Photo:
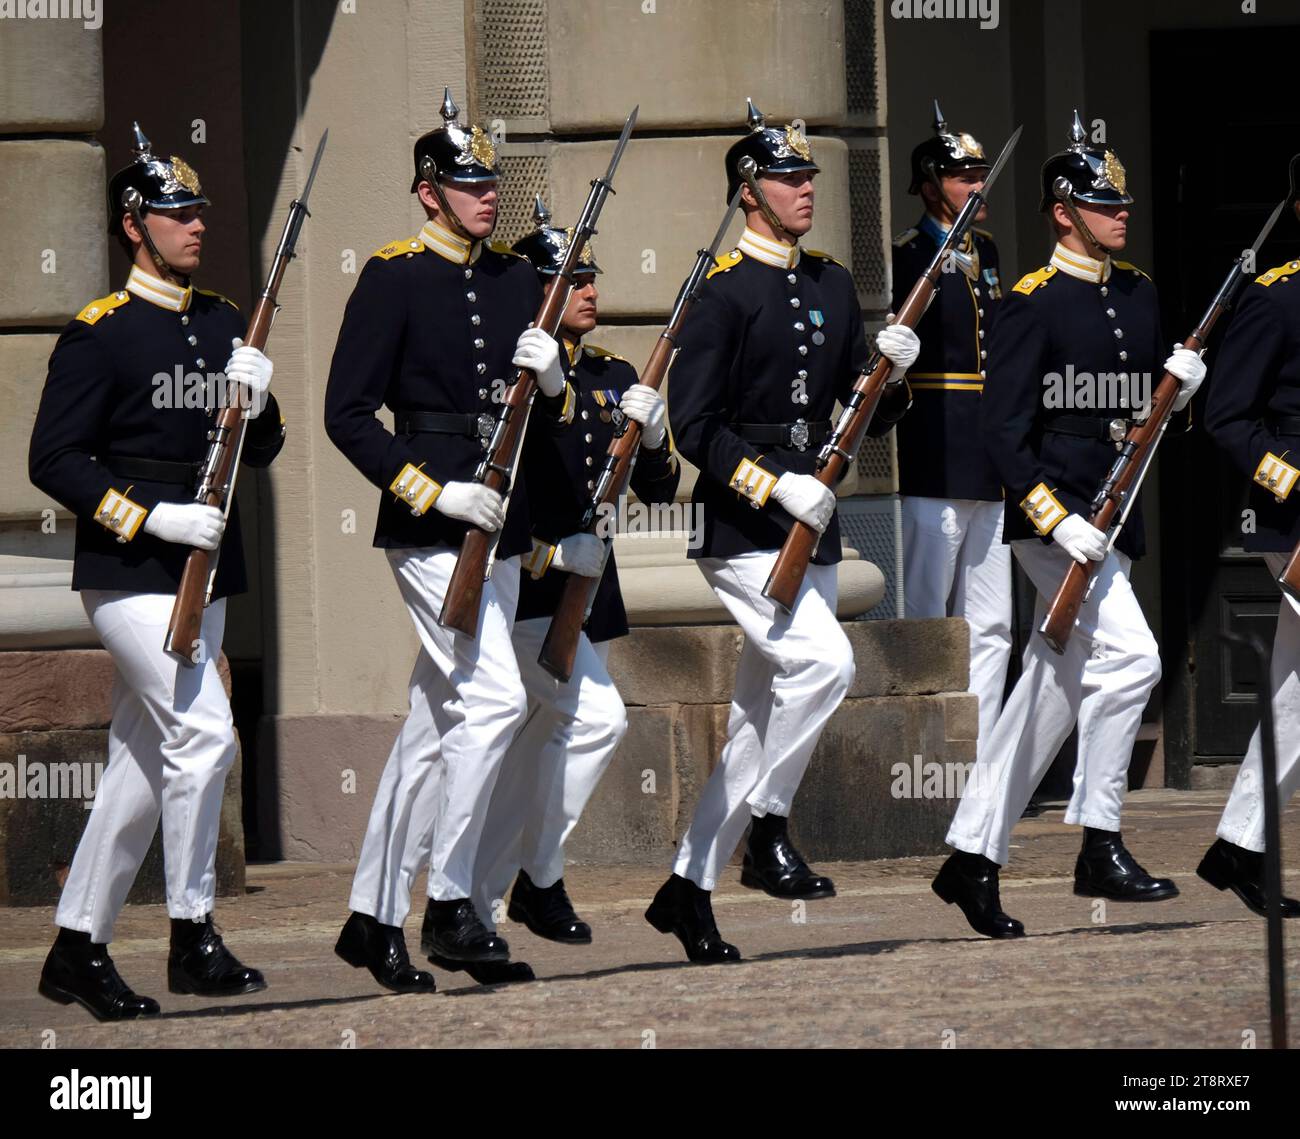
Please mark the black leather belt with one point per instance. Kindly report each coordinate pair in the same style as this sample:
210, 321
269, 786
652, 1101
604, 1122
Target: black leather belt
1108, 430
441, 423
154, 470
795, 436
1284, 424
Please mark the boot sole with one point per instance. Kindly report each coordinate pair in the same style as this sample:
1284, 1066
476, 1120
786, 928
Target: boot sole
754, 883
1223, 882
537, 931
948, 896
463, 967
430, 952
667, 926
402, 990
64, 997
187, 988
1083, 891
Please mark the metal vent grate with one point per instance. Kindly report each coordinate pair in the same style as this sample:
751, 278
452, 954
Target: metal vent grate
874, 527
860, 56
522, 176
510, 47
866, 231
876, 467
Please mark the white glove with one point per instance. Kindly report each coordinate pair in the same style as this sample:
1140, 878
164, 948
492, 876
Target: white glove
1080, 539
252, 368
901, 345
583, 554
806, 499
645, 406
540, 354
474, 503
1190, 370
187, 524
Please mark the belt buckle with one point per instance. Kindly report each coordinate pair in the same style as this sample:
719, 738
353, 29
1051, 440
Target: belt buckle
486, 425
799, 435
1117, 430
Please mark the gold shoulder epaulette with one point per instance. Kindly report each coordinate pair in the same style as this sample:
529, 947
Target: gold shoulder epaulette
96, 309
724, 262
825, 257
905, 237
409, 246
1131, 268
1281, 273
1031, 281
210, 293
504, 247
602, 353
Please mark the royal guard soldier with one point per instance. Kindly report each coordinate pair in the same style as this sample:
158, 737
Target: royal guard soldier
775, 339
1052, 439
123, 454
434, 330
573, 728
1253, 412
955, 563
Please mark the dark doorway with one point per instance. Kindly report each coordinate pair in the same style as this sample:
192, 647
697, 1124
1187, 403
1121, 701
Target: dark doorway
1219, 155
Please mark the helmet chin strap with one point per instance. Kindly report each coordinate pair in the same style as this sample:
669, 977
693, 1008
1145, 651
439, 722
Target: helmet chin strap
933, 175
132, 202
1062, 189
429, 172
748, 171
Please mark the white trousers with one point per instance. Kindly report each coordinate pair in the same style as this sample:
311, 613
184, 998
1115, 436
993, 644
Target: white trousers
1102, 680
1243, 817
956, 565
171, 742
794, 670
467, 702
551, 769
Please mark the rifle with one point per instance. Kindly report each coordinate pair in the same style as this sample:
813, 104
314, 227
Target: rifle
561, 644
465, 589
226, 444
1110, 507
840, 449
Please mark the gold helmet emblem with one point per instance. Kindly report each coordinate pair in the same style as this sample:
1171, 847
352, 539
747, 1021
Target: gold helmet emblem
795, 140
1112, 170
185, 174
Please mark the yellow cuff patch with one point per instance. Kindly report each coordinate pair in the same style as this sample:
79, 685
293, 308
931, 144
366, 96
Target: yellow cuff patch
1043, 509
118, 513
416, 489
752, 481
539, 561
1276, 475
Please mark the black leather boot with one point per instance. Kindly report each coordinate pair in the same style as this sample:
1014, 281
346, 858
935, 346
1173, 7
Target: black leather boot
452, 930
682, 908
1227, 866
200, 963
547, 911
77, 969
1105, 869
971, 882
772, 864
488, 972
382, 950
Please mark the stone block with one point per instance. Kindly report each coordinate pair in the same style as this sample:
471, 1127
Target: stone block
51, 75
24, 359
47, 782
56, 262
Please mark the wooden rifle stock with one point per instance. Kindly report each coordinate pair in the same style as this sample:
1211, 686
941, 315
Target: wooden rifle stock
1289, 578
464, 595
560, 648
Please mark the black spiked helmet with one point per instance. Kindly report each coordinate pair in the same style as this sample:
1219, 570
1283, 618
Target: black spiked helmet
775, 150
548, 245
948, 151
455, 153
162, 183
1090, 174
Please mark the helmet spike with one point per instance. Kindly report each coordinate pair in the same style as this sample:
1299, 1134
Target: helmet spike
541, 215
940, 123
450, 112
753, 116
142, 145
1078, 136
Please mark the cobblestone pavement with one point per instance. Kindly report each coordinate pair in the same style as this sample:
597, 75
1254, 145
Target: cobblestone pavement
883, 964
